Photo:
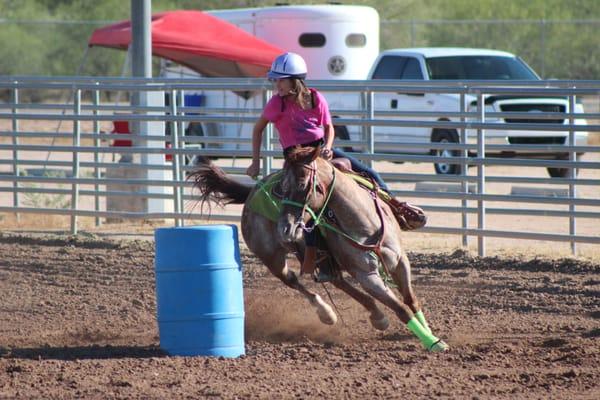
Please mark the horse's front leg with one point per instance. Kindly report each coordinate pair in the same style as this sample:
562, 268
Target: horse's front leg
278, 267
261, 237
378, 319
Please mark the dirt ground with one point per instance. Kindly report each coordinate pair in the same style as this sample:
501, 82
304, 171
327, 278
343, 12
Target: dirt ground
77, 320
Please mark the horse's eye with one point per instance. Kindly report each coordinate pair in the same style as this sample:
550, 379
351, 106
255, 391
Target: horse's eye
303, 184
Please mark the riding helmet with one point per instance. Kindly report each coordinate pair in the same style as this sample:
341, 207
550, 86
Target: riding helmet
288, 65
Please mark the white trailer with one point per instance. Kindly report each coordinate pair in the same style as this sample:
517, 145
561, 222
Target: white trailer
337, 42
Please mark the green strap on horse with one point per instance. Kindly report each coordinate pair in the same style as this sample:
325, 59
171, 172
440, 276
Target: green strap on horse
263, 201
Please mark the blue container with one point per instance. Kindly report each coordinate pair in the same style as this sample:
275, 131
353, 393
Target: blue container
199, 295
194, 100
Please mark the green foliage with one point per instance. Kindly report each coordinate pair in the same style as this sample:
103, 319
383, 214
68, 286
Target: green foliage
556, 37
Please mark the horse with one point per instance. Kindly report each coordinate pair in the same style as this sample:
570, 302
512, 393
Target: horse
366, 236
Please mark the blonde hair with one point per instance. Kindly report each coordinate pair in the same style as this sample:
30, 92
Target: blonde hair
301, 94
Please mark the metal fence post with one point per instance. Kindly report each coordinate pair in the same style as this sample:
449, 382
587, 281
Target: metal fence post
75, 167
15, 142
96, 155
370, 131
481, 175
182, 160
464, 172
572, 175
267, 143
176, 159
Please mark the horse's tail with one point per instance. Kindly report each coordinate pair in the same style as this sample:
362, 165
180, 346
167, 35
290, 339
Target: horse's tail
214, 185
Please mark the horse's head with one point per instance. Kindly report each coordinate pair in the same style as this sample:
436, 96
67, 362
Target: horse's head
302, 190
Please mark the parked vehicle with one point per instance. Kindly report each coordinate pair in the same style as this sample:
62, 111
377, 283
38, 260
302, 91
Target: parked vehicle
466, 64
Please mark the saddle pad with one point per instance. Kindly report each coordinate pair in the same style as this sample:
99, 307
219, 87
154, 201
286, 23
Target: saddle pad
267, 204
362, 181
263, 201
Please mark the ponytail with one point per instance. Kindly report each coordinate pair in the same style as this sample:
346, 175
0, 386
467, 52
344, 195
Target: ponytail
301, 94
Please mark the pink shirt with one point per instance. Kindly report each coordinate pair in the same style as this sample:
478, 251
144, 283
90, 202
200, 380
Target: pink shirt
295, 125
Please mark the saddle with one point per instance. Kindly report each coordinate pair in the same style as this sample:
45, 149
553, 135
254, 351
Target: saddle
409, 217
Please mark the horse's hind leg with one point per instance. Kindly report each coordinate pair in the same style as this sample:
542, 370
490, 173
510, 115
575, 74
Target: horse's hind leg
378, 319
278, 267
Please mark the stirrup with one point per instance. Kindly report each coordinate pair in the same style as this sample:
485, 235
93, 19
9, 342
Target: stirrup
322, 276
409, 217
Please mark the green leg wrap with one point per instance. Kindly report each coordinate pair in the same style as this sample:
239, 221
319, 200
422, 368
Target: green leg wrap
426, 338
421, 317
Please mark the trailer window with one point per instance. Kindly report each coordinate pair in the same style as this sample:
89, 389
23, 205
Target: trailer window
356, 40
312, 40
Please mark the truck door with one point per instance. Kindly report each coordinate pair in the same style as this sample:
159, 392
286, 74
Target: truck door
387, 138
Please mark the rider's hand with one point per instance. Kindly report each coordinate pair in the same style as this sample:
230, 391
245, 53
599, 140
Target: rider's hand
327, 154
253, 170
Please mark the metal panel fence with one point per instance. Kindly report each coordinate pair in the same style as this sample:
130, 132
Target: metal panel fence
74, 172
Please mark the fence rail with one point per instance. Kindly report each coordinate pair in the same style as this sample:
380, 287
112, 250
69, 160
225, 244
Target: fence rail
91, 186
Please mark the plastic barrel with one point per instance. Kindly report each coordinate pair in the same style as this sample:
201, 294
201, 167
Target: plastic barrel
199, 295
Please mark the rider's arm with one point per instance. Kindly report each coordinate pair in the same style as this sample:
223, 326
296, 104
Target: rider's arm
257, 134
329, 135
328, 139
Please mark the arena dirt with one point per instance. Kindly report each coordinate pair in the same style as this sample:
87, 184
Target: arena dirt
77, 320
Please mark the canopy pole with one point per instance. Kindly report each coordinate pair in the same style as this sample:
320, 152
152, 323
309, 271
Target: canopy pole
141, 67
141, 45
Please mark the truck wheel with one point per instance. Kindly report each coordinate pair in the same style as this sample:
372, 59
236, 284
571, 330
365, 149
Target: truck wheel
445, 136
561, 172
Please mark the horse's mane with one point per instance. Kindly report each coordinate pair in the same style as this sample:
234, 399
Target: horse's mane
302, 154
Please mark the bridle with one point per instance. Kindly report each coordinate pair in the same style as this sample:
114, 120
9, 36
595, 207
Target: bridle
314, 183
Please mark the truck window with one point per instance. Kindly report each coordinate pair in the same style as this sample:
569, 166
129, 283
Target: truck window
389, 67
479, 67
312, 40
412, 69
356, 40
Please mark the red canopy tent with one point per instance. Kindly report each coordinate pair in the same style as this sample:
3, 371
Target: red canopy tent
199, 41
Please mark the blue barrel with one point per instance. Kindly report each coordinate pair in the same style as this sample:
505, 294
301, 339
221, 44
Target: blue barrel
199, 296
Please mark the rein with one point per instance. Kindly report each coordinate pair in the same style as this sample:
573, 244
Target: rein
375, 248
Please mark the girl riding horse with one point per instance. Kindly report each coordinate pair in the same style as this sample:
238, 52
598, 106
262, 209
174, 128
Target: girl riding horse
302, 118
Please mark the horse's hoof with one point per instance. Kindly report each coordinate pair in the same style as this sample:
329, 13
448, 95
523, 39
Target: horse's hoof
439, 346
324, 311
380, 324
327, 317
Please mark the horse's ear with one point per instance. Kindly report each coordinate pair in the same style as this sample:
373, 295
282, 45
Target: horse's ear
303, 154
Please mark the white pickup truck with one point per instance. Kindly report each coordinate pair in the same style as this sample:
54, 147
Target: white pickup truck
465, 64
